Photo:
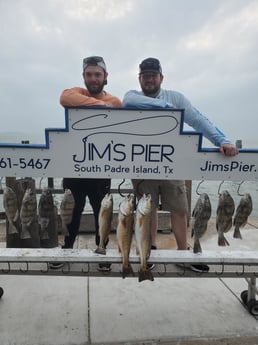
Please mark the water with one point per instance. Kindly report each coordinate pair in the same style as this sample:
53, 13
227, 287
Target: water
41, 183
234, 187
210, 187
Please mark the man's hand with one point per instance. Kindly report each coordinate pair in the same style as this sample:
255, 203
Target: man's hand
228, 150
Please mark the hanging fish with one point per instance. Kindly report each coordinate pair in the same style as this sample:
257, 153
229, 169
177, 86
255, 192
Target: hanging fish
10, 204
143, 235
66, 210
28, 212
243, 211
225, 211
45, 212
105, 219
124, 232
201, 214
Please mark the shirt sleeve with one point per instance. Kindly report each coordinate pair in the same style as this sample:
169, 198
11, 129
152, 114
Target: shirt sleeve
76, 97
202, 124
135, 99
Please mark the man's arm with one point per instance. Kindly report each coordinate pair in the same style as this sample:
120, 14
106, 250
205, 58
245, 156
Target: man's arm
203, 125
135, 99
192, 116
77, 97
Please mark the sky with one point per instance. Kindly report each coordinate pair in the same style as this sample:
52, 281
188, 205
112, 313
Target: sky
207, 48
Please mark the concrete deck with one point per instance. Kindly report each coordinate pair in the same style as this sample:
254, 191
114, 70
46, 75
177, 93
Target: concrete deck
51, 310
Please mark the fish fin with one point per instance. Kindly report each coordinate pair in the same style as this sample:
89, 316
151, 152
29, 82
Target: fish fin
16, 217
145, 275
222, 241
127, 271
12, 228
197, 246
101, 250
192, 233
237, 233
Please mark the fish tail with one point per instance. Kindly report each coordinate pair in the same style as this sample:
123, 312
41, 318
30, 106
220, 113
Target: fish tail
127, 271
25, 234
145, 275
222, 241
237, 233
103, 241
101, 250
65, 230
197, 246
44, 234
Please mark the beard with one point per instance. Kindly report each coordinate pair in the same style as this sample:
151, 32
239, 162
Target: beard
95, 89
150, 90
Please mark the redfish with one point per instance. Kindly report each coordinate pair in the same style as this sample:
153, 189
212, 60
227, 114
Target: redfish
143, 235
105, 219
124, 232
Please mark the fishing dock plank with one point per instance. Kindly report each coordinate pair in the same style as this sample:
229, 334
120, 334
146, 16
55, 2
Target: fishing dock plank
84, 262
112, 255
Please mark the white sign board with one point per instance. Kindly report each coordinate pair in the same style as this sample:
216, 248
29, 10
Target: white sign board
123, 143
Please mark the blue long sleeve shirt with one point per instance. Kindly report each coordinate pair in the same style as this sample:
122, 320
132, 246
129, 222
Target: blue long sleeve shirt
176, 100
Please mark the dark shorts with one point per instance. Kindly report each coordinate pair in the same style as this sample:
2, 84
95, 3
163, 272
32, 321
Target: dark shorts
88, 185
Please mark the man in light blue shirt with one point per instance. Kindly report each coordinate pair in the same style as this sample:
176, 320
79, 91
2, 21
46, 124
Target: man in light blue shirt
171, 192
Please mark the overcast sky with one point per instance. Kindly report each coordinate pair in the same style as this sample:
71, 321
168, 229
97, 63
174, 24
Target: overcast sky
208, 50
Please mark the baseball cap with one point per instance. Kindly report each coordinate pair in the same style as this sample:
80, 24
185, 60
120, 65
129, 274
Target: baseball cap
150, 65
94, 61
